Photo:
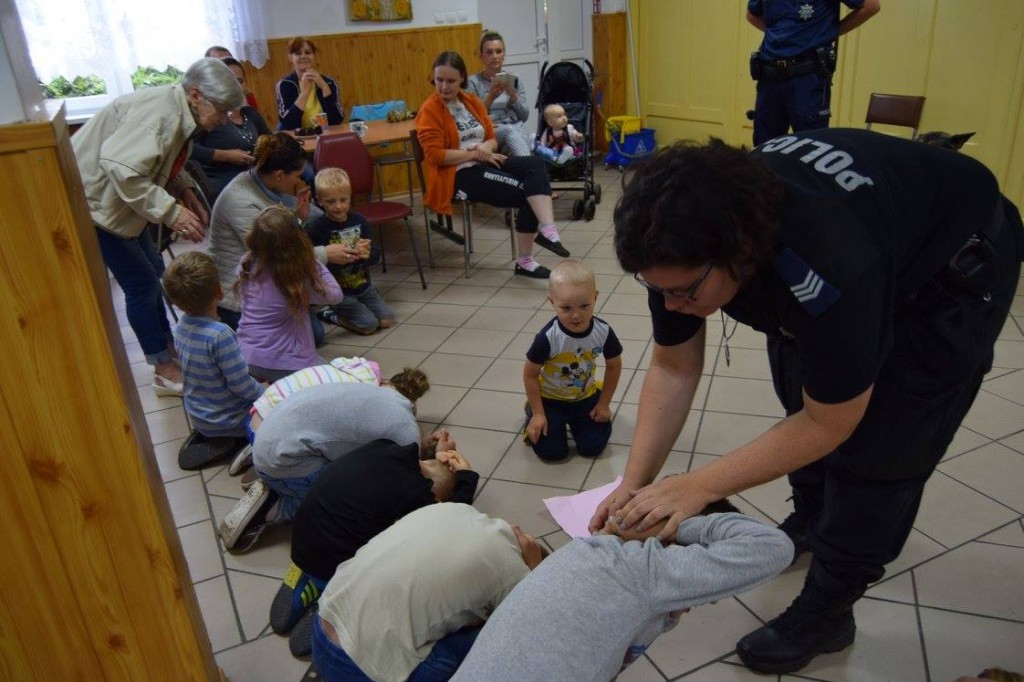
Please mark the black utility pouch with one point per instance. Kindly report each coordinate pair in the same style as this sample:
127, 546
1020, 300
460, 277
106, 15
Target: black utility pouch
756, 66
973, 267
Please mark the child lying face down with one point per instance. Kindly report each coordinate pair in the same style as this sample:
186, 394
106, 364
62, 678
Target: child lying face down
597, 603
409, 603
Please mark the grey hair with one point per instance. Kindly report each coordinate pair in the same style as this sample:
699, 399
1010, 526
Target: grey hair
216, 83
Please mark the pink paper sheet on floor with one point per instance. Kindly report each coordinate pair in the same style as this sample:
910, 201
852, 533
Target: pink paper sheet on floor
573, 512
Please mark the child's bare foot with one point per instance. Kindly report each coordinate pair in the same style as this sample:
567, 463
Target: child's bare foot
384, 324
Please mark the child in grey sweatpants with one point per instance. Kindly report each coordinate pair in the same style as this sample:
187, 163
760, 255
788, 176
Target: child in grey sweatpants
597, 603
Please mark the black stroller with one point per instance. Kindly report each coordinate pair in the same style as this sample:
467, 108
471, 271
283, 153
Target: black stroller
567, 84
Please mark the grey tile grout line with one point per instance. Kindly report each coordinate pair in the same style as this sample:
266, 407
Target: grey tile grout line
920, 627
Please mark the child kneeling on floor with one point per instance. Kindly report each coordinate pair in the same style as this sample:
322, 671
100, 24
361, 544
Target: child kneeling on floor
561, 368
362, 310
218, 388
597, 603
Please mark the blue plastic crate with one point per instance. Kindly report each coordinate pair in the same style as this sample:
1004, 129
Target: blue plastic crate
634, 146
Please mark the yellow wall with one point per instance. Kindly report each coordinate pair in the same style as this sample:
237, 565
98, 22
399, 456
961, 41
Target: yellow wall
965, 56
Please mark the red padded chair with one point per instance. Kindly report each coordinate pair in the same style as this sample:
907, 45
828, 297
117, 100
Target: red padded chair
347, 152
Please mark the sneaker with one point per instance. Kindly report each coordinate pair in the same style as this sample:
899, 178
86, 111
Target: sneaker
242, 460
539, 272
300, 641
554, 247
165, 388
526, 424
199, 451
297, 593
248, 518
387, 323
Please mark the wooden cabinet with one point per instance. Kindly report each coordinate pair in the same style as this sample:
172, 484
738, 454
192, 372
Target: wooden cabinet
611, 68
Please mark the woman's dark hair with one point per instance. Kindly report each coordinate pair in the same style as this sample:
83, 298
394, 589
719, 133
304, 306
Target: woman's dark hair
454, 60
296, 43
488, 36
231, 61
278, 152
691, 204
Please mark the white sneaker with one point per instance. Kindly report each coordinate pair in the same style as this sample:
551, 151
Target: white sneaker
242, 460
246, 512
164, 387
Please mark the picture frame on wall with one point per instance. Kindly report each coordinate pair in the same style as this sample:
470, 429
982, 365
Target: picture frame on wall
380, 10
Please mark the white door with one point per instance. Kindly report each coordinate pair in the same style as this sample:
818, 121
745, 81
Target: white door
536, 31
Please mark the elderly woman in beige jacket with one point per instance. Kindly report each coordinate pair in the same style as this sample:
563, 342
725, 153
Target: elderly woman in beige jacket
130, 157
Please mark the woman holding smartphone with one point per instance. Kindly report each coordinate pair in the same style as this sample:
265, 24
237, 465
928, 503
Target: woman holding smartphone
503, 96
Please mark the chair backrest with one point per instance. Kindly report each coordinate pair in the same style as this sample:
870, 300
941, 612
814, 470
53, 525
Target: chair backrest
417, 152
897, 110
347, 152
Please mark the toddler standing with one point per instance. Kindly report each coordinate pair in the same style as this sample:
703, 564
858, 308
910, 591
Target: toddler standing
561, 368
279, 278
362, 310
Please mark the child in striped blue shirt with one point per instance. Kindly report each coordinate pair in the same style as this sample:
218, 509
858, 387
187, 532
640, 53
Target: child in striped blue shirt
218, 388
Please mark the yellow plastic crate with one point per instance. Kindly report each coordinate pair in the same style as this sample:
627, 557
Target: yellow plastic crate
622, 126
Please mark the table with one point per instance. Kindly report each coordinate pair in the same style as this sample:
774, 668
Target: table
377, 132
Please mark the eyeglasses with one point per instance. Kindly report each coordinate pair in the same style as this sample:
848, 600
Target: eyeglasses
689, 292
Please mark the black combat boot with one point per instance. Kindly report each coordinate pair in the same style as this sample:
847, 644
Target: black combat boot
819, 621
795, 526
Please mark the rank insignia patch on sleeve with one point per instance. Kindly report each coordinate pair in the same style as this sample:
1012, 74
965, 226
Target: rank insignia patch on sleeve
808, 287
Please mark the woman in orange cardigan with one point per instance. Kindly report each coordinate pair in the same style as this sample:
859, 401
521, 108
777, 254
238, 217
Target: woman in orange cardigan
459, 153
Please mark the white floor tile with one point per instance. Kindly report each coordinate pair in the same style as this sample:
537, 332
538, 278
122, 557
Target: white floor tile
960, 644
995, 470
978, 578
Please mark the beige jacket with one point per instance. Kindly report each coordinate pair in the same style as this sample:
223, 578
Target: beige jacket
125, 155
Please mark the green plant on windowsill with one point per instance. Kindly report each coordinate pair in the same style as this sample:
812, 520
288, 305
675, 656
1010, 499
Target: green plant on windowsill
82, 86
147, 77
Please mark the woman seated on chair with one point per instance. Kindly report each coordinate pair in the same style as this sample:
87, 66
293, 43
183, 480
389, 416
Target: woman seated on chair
227, 150
505, 99
306, 92
459, 155
274, 179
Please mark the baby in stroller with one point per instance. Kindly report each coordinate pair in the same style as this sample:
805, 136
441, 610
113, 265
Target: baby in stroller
559, 140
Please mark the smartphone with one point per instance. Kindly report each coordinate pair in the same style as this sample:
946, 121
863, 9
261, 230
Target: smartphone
502, 78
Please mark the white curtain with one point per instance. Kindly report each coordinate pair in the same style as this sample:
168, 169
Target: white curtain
112, 38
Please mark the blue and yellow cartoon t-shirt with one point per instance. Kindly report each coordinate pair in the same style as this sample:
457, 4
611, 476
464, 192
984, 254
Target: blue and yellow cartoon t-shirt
569, 361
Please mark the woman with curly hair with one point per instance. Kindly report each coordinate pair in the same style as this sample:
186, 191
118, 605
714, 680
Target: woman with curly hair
278, 279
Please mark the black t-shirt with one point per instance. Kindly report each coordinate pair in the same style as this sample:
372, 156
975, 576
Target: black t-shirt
867, 220
356, 497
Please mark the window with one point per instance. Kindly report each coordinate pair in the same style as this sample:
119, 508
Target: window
99, 44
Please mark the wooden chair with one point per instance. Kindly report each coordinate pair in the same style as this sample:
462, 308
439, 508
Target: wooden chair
897, 110
379, 112
347, 152
442, 223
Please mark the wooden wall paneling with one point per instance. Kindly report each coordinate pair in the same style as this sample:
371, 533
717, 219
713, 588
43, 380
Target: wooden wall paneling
370, 67
88, 491
611, 70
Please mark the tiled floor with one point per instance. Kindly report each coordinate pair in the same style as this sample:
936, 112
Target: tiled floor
952, 604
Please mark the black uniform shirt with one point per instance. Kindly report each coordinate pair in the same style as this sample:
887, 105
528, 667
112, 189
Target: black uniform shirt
867, 220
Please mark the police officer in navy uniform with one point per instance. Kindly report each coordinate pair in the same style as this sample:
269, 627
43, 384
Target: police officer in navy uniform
794, 66
881, 271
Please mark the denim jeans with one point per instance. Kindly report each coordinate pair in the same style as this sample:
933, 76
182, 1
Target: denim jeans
292, 491
591, 437
334, 665
137, 267
364, 310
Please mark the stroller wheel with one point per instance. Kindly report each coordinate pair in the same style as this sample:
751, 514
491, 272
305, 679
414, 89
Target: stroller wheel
577, 209
597, 193
589, 208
